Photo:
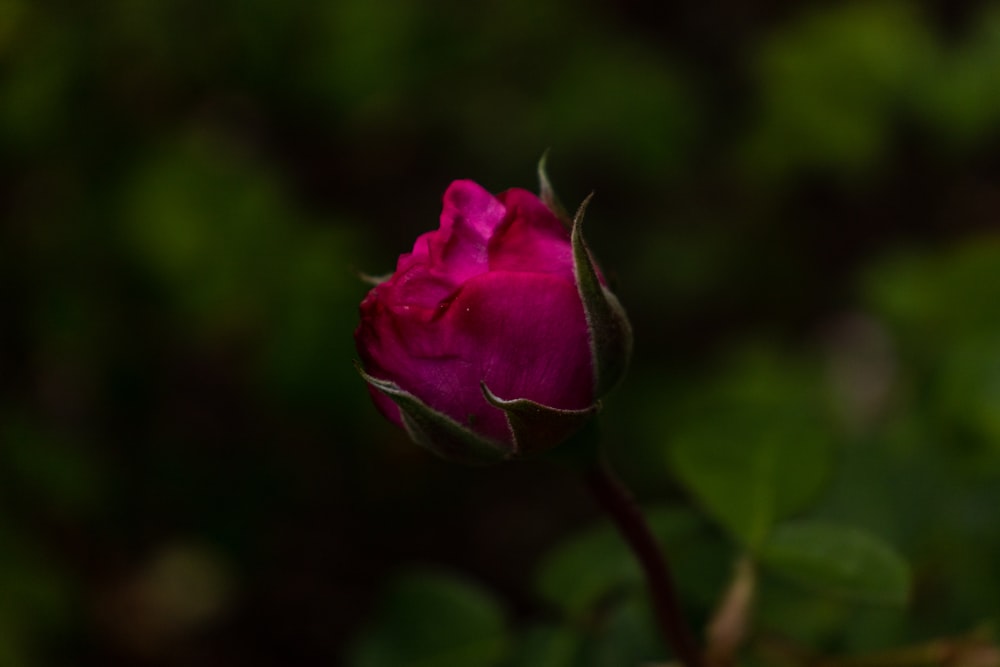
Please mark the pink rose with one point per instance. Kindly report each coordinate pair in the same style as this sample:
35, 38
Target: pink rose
483, 343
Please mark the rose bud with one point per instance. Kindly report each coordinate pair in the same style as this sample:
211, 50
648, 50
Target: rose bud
496, 336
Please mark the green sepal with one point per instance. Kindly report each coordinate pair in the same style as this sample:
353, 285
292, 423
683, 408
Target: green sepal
438, 432
548, 194
374, 281
610, 330
538, 427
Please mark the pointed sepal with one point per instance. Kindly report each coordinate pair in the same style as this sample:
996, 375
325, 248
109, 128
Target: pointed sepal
438, 432
548, 194
372, 280
610, 330
538, 427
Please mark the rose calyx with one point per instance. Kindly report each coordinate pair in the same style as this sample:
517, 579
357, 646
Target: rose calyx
609, 326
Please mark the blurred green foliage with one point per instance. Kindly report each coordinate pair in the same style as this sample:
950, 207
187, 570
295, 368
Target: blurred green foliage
798, 205
837, 560
430, 619
764, 452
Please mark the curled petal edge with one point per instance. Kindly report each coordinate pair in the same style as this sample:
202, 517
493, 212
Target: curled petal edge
438, 432
536, 427
610, 329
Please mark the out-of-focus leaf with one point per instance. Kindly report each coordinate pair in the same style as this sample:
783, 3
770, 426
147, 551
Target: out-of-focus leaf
830, 82
942, 306
36, 597
627, 635
38, 78
432, 619
546, 646
579, 573
364, 75
970, 387
307, 342
213, 228
754, 447
12, 645
960, 95
587, 110
811, 619
938, 296
839, 560
60, 473
586, 570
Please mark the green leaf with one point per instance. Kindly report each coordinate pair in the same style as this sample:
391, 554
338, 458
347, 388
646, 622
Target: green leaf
839, 560
433, 619
754, 448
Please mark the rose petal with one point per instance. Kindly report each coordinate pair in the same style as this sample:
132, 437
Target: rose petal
404, 344
526, 337
531, 238
475, 206
523, 334
445, 258
469, 216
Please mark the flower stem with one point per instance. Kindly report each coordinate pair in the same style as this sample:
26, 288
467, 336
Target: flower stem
618, 502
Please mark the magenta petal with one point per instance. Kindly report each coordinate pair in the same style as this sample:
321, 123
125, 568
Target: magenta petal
409, 346
442, 260
469, 216
531, 238
470, 203
526, 337
523, 334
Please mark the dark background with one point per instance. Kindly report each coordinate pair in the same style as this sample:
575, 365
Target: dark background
190, 469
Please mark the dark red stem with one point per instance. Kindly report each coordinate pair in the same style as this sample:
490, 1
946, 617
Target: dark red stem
618, 502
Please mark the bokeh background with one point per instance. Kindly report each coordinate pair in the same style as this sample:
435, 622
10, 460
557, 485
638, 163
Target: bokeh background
797, 202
